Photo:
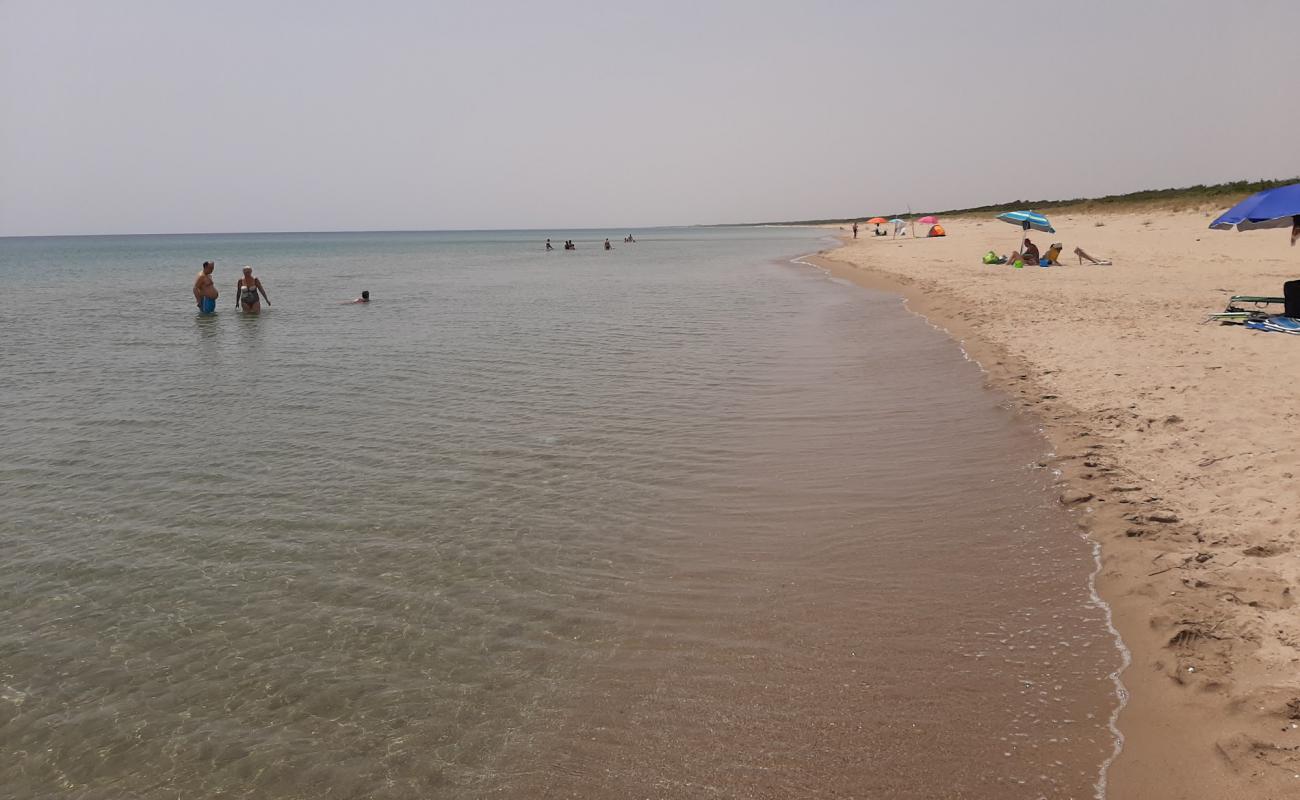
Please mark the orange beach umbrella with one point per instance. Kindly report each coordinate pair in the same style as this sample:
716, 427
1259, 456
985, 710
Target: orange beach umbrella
877, 221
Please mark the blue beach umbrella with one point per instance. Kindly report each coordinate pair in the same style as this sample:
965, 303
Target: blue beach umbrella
898, 225
1027, 220
1272, 208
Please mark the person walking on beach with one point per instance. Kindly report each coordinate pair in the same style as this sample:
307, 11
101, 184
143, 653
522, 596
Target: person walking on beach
855, 230
246, 293
205, 291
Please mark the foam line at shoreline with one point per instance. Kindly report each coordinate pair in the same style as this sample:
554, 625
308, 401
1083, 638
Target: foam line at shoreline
1116, 677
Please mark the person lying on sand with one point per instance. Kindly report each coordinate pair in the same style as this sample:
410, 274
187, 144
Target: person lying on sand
1078, 251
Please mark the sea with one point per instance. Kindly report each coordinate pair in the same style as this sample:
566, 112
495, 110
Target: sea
685, 518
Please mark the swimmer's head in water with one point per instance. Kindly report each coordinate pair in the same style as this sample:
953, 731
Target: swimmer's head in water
365, 295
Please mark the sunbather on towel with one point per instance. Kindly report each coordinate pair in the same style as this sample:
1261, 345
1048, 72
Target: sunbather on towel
1078, 251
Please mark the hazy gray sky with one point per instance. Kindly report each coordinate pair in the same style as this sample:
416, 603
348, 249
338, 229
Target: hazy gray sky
172, 116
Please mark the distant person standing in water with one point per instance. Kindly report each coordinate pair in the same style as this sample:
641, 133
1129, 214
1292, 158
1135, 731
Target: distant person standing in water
548, 245
246, 292
608, 246
205, 291
855, 230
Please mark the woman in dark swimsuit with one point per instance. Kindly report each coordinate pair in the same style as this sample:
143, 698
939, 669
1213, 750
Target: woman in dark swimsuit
246, 292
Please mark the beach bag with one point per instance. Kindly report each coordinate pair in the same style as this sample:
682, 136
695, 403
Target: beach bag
1291, 296
990, 257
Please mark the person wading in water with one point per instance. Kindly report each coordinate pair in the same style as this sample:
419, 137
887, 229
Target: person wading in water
246, 293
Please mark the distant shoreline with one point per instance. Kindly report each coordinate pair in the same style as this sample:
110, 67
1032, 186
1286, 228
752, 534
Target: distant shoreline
1174, 199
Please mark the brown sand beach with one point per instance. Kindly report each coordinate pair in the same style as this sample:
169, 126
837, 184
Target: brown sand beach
1177, 445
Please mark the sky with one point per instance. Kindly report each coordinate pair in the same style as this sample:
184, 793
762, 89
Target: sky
175, 116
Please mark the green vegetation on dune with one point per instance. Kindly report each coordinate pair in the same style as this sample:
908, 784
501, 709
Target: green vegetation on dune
1179, 199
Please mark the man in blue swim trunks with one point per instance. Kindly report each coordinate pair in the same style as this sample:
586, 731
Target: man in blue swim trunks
205, 291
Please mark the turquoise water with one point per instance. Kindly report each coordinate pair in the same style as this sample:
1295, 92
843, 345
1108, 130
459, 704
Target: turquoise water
679, 518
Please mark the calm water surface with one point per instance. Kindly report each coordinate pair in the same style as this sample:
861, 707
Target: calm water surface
683, 519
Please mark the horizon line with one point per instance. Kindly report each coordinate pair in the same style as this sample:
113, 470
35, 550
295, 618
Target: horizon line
362, 230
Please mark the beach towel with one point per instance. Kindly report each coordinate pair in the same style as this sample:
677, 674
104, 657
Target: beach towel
1275, 324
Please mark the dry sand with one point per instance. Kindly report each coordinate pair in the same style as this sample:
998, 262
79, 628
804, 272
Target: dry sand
1186, 436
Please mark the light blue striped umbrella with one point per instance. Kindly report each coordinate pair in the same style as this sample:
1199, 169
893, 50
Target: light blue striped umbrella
1028, 220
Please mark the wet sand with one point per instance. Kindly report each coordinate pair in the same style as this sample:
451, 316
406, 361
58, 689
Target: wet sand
1178, 448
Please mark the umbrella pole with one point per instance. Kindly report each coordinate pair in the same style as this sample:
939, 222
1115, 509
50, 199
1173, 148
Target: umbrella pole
1020, 241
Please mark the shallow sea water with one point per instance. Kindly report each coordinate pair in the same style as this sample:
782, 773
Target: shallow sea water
681, 519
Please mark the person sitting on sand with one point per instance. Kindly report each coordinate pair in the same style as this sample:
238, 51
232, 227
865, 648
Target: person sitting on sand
1078, 251
1052, 254
1028, 254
